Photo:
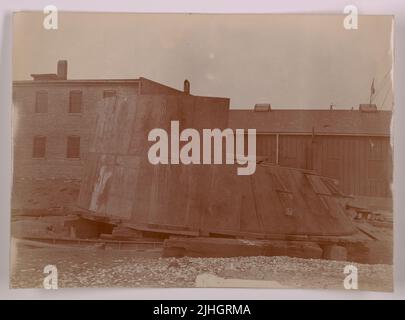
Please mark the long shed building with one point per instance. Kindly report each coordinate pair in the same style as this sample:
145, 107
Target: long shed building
352, 146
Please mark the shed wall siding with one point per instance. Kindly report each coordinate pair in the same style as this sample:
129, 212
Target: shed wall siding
363, 165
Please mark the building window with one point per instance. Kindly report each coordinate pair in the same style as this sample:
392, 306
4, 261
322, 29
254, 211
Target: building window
41, 102
73, 147
109, 93
39, 147
75, 101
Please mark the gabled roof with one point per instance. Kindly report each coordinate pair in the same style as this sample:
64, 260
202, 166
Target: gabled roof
318, 121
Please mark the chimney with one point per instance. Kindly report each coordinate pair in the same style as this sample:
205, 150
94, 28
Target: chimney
186, 86
62, 69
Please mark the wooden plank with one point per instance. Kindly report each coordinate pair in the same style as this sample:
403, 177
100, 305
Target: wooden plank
161, 229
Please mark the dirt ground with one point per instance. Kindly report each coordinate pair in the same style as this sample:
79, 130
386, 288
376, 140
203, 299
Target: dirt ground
115, 268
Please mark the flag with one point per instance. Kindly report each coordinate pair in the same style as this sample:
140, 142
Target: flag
372, 88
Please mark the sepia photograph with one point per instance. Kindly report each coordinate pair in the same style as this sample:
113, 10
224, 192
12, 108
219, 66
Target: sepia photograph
179, 150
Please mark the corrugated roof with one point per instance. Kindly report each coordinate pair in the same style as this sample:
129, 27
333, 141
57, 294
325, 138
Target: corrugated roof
307, 121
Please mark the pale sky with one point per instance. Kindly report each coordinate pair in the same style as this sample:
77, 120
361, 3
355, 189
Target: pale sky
290, 61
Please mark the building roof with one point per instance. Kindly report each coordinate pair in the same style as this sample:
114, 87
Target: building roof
353, 122
146, 86
76, 81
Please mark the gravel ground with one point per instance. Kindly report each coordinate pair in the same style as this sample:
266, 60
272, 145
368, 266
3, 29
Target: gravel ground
114, 268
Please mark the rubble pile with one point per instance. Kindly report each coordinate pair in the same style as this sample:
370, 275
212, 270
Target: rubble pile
101, 268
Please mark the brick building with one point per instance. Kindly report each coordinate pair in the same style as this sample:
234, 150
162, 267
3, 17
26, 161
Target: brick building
53, 116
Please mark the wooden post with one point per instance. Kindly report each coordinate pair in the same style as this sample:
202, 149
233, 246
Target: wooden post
277, 148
